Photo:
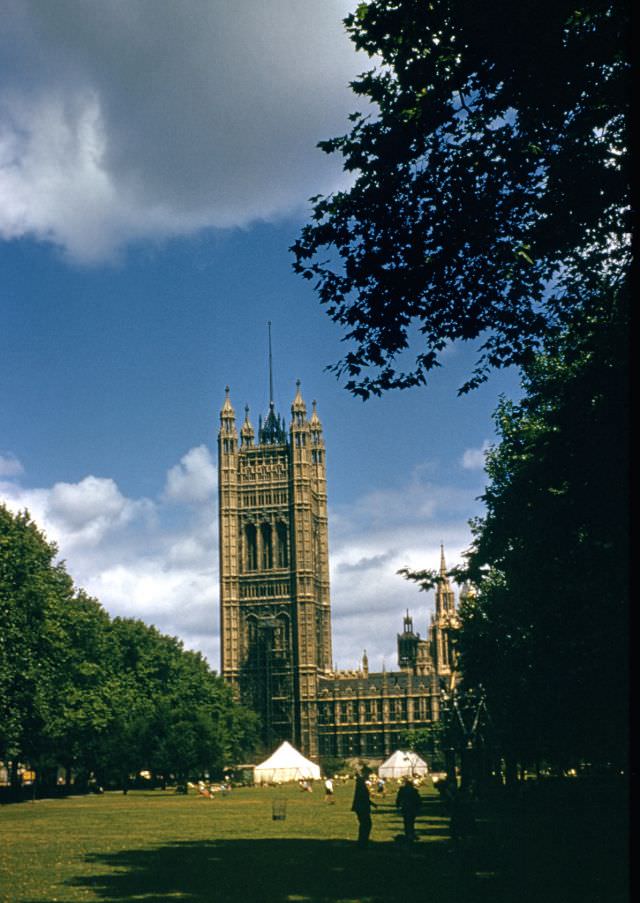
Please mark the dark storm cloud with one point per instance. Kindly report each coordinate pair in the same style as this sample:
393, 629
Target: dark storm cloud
166, 117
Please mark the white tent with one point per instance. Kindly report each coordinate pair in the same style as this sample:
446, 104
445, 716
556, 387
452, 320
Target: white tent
402, 764
285, 764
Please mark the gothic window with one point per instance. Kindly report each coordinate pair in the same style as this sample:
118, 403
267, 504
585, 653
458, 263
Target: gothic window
319, 640
252, 636
267, 547
283, 551
280, 635
252, 547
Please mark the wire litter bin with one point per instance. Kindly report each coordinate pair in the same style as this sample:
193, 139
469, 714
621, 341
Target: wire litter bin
279, 810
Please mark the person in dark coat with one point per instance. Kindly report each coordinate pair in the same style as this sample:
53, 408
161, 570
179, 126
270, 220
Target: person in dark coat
361, 805
408, 802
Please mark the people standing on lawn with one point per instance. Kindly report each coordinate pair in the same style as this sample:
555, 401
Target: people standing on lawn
408, 802
328, 790
361, 805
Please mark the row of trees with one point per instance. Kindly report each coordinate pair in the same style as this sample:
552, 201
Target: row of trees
490, 202
99, 695
547, 632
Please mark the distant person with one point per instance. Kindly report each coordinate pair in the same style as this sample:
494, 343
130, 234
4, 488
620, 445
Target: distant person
328, 790
408, 802
361, 805
380, 786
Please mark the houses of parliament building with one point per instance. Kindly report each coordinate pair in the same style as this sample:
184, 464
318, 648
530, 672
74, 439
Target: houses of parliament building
275, 607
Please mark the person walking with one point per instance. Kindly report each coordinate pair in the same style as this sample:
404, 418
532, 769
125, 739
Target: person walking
328, 790
408, 802
361, 805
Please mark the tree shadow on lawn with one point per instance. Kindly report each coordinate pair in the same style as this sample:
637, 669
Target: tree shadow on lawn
278, 871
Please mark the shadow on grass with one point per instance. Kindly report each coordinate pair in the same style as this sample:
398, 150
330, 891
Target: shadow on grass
563, 844
277, 871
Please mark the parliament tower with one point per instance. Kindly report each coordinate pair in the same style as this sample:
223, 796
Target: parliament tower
275, 611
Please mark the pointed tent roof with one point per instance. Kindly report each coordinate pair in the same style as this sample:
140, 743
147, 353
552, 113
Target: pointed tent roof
403, 764
286, 764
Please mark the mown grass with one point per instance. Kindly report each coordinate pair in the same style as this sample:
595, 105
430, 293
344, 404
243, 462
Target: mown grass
159, 847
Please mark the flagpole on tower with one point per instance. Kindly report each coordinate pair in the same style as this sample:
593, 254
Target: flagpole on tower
270, 367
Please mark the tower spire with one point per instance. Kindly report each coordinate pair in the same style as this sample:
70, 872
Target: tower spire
272, 431
271, 402
443, 566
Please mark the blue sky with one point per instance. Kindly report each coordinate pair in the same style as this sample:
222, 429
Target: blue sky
155, 166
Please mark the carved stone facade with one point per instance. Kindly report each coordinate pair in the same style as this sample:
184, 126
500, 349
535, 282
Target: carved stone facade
275, 612
274, 569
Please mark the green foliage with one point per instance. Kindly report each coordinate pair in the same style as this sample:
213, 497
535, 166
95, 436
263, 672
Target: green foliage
93, 694
428, 742
546, 632
490, 193
30, 586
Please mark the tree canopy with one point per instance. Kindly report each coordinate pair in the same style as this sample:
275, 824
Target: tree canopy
98, 695
546, 631
489, 198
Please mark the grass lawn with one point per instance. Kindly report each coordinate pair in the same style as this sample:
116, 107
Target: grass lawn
158, 847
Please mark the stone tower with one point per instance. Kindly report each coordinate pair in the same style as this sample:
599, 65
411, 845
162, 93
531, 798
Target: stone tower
275, 614
444, 622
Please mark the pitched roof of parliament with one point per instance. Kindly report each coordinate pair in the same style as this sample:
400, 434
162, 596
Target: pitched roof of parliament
275, 608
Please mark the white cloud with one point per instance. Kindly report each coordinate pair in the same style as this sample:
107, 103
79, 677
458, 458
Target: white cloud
474, 458
141, 558
157, 560
121, 121
89, 509
178, 603
370, 540
369, 598
194, 479
10, 466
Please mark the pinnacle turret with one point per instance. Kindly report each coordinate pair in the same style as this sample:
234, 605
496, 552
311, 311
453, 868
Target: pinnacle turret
365, 663
298, 407
272, 431
443, 565
246, 433
445, 601
314, 420
228, 434
227, 408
